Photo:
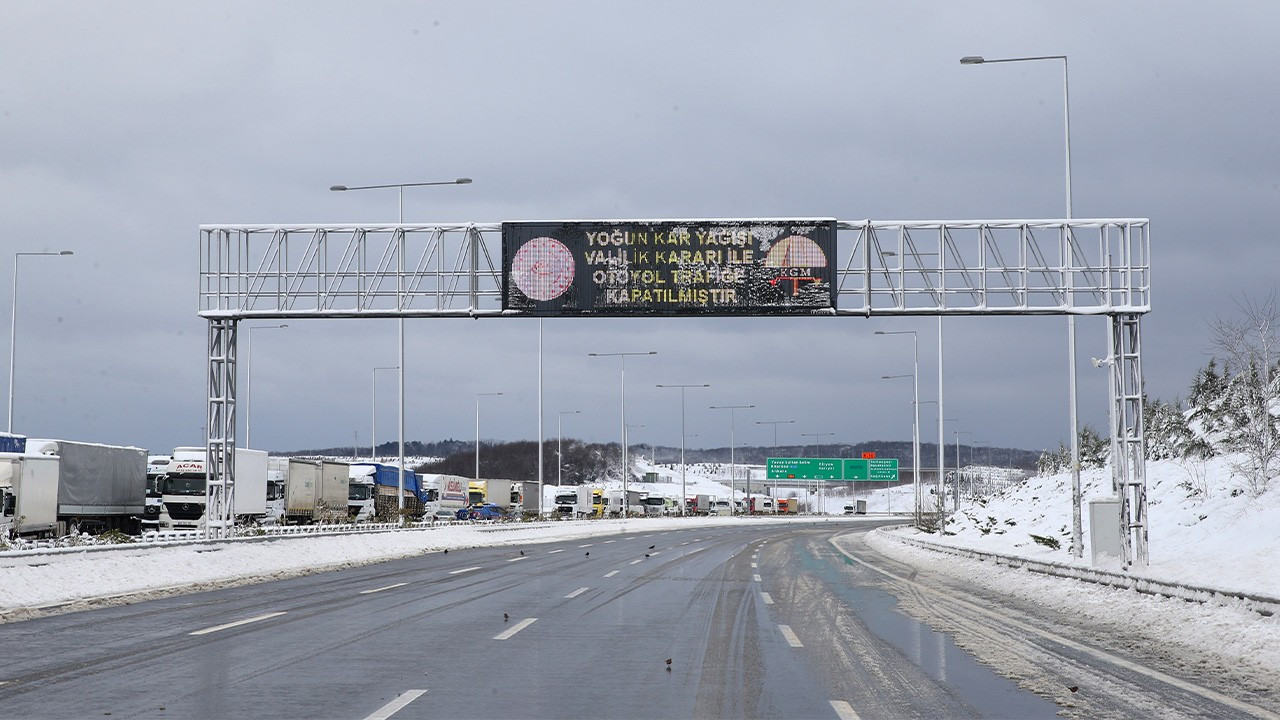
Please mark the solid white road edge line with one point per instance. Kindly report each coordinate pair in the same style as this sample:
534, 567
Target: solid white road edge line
455, 572
611, 573
767, 598
396, 705
515, 629
792, 640
237, 623
844, 710
389, 587
576, 593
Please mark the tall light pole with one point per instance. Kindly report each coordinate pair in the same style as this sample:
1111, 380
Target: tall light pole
626, 469
248, 380
373, 429
733, 466
560, 447
13, 326
915, 405
683, 483
1077, 522
775, 424
817, 483
400, 269
478, 396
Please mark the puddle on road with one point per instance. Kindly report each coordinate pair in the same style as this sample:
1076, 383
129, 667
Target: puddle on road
991, 695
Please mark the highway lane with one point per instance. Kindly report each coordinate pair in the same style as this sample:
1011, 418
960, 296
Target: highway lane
768, 620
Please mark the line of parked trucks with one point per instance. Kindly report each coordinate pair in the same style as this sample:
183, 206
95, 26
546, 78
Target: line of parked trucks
53, 488
592, 502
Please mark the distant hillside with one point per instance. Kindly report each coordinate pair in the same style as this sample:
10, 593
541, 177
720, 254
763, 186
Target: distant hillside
414, 448
591, 462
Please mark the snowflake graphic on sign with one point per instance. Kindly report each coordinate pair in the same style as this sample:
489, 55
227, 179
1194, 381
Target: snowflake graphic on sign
543, 268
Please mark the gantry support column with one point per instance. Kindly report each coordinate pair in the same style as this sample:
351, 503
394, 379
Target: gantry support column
220, 438
1128, 440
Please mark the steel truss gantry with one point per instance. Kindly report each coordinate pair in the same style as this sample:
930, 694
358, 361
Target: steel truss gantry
884, 268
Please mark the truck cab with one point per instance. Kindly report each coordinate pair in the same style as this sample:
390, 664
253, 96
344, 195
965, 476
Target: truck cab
654, 505
157, 467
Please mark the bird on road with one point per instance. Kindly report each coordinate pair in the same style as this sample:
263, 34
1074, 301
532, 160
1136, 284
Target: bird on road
522, 552
505, 617
646, 554
668, 664
446, 551
588, 553
652, 547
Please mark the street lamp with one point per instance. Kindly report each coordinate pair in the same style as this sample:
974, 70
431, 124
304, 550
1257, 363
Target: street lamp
373, 431
822, 509
733, 466
560, 447
1077, 522
915, 404
775, 424
400, 324
13, 327
626, 470
248, 380
478, 396
683, 485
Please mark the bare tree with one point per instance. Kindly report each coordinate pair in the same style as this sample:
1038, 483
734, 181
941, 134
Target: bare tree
1251, 345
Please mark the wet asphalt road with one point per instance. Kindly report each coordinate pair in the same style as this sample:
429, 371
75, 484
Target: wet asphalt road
768, 621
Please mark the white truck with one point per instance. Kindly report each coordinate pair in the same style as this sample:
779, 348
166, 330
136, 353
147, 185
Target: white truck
654, 506
579, 502
61, 487
183, 489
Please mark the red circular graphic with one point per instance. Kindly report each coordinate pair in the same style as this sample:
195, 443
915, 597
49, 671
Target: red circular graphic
543, 268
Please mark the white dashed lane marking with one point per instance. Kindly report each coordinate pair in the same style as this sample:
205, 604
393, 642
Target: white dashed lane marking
755, 578
576, 593
396, 705
787, 633
844, 710
376, 590
237, 623
553, 552
767, 598
456, 572
515, 629
611, 573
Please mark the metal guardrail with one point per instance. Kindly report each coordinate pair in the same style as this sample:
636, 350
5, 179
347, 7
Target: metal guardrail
1264, 605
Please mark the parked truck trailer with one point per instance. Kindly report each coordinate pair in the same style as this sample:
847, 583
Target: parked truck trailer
87, 487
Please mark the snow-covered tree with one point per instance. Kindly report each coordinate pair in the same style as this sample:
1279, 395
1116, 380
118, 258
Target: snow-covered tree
1251, 402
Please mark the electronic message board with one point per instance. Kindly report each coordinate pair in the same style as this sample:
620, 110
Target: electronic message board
669, 267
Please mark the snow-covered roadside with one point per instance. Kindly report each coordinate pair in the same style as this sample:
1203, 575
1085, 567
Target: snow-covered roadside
1204, 531
45, 580
1216, 636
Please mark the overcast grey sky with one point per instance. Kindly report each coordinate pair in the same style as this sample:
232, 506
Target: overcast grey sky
124, 125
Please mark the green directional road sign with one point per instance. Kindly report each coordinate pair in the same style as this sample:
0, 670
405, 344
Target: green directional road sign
878, 469
803, 469
847, 469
